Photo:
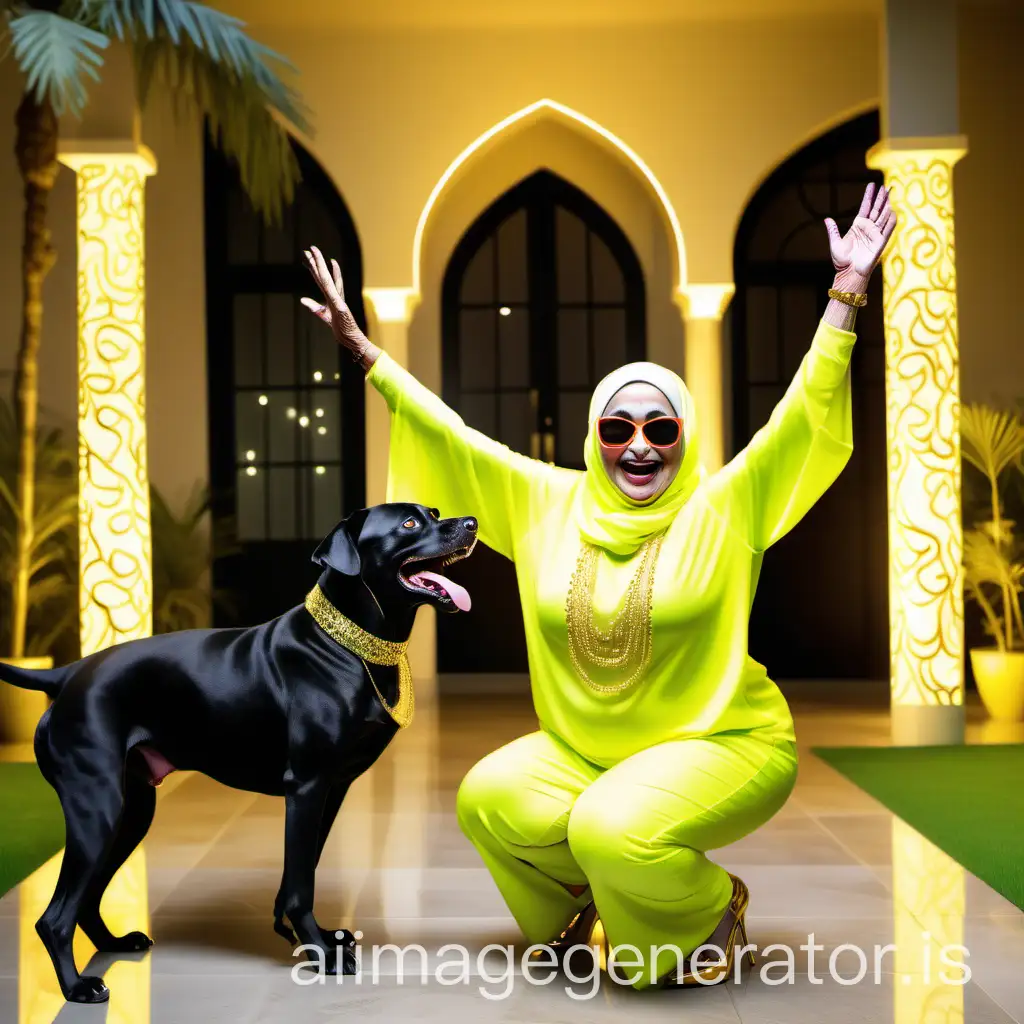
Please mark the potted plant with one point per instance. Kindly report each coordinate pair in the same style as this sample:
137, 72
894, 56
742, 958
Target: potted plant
51, 626
993, 442
211, 66
182, 556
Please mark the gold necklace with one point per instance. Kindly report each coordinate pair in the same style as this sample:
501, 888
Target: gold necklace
370, 650
625, 646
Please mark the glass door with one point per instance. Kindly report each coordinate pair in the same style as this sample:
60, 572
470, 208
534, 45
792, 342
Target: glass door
543, 296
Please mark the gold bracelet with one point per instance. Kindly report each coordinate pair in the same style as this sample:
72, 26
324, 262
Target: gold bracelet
849, 298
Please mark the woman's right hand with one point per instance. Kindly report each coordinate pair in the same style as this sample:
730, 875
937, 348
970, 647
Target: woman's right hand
334, 310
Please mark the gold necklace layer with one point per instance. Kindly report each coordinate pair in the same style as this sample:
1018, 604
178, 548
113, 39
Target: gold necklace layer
625, 646
370, 649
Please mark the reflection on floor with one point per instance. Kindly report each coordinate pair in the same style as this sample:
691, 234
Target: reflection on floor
833, 863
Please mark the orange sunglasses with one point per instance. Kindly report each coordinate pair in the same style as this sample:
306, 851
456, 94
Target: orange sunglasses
618, 432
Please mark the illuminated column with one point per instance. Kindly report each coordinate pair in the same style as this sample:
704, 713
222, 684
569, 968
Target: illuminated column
923, 433
390, 312
114, 524
929, 903
703, 307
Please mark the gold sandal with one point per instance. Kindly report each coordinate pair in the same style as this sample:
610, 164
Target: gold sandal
578, 932
730, 933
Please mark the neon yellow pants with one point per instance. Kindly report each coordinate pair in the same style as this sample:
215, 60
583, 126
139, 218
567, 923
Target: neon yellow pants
636, 834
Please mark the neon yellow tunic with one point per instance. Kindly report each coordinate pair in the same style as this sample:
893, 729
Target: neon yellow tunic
701, 681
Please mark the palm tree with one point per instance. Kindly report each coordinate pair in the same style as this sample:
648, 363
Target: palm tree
213, 69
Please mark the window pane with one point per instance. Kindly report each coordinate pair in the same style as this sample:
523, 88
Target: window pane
570, 256
250, 426
316, 227
517, 421
477, 348
243, 230
605, 273
512, 264
280, 319
323, 351
514, 349
848, 197
573, 362
248, 340
479, 412
309, 403
283, 415
250, 497
799, 322
327, 503
282, 483
325, 442
762, 335
279, 240
573, 407
609, 326
807, 243
781, 213
761, 403
478, 280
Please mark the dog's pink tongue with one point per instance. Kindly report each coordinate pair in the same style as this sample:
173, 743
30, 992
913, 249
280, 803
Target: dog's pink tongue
460, 595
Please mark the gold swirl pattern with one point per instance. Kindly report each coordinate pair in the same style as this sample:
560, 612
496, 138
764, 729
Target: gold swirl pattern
113, 502
922, 384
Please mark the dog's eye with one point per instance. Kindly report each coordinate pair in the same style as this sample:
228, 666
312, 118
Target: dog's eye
410, 523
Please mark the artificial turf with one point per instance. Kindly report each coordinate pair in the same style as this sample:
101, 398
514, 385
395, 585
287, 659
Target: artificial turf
968, 800
31, 823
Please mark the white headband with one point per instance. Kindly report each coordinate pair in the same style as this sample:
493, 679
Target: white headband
637, 373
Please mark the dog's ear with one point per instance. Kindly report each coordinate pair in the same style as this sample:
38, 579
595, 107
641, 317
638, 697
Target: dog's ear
339, 549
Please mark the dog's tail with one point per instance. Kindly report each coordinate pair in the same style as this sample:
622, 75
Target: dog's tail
49, 680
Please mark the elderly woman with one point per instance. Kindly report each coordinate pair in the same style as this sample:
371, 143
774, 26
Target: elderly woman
660, 737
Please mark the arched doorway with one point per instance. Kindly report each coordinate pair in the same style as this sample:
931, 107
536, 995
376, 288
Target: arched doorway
542, 297
285, 408
821, 608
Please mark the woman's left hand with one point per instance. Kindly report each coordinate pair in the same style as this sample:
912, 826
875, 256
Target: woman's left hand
856, 254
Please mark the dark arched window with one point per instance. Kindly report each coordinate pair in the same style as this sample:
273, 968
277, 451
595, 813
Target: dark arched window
821, 608
542, 297
286, 406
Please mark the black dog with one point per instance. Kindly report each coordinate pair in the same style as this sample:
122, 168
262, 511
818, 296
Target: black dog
281, 709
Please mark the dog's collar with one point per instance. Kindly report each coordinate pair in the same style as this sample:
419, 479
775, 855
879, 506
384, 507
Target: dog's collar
370, 649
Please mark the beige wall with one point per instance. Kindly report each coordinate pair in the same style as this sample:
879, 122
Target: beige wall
711, 108
176, 307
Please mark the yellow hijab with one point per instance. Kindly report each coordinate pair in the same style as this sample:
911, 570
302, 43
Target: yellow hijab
605, 516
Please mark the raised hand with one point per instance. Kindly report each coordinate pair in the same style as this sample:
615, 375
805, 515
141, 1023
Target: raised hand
334, 310
856, 254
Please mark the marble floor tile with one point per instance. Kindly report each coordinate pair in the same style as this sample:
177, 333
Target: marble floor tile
833, 863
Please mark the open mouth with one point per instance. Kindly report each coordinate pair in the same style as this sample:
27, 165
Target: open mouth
639, 472
423, 576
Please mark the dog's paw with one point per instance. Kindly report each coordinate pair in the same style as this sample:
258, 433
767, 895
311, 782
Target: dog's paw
88, 989
349, 964
284, 931
133, 942
340, 960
